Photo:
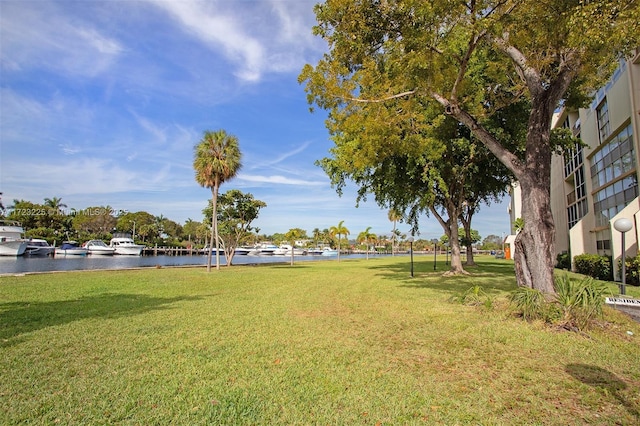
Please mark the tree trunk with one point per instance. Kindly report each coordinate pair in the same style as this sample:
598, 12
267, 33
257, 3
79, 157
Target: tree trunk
470, 261
467, 231
456, 260
450, 228
214, 228
215, 215
534, 245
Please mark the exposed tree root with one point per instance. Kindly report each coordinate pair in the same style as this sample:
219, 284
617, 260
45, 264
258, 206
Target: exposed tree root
454, 273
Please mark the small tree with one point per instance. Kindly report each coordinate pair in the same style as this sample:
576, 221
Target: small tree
292, 236
339, 231
236, 212
366, 237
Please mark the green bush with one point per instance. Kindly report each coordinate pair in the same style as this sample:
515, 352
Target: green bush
594, 265
531, 303
632, 269
576, 303
563, 261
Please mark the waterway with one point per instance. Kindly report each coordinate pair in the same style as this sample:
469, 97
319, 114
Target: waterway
25, 264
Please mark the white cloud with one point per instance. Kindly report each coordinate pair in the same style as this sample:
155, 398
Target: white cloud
39, 35
205, 21
257, 37
276, 179
84, 176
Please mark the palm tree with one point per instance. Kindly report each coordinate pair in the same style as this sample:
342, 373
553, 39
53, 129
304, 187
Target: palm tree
366, 237
217, 160
55, 204
339, 230
394, 216
317, 234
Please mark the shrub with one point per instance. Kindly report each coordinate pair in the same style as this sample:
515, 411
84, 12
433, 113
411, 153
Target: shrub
578, 301
531, 303
563, 261
594, 265
632, 269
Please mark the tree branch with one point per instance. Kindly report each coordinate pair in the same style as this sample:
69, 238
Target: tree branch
380, 100
528, 74
506, 157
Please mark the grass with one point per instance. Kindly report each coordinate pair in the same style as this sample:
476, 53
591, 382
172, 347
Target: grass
355, 342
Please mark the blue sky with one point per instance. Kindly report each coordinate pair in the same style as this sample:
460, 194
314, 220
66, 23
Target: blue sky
102, 102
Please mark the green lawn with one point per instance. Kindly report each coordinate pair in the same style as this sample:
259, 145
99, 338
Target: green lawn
355, 342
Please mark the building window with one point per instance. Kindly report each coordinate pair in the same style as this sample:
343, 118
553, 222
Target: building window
603, 120
614, 179
577, 205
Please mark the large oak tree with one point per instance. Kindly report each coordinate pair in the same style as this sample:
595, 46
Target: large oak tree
474, 57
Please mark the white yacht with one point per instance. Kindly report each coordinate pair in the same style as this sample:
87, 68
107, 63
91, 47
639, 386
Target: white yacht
126, 246
99, 247
12, 242
285, 250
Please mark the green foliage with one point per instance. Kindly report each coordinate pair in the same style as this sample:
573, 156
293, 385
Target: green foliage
575, 305
579, 301
594, 265
518, 224
563, 261
468, 241
563, 142
474, 296
492, 242
236, 213
632, 270
531, 303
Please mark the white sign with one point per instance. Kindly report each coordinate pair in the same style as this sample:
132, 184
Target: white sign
623, 301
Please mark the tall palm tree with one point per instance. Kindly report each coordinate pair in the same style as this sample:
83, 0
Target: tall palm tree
339, 230
217, 160
366, 237
394, 216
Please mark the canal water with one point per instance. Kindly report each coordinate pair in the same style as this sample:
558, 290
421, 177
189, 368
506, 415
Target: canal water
24, 264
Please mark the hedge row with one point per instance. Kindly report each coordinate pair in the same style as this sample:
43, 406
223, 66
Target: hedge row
594, 265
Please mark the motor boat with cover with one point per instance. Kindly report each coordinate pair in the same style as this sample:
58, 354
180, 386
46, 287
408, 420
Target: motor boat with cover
12, 242
71, 248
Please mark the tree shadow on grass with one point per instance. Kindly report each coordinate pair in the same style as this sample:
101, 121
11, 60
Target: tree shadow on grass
18, 318
603, 380
493, 276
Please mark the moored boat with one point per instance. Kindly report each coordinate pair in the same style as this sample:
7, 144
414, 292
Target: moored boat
11, 241
38, 247
126, 246
285, 250
266, 249
242, 251
206, 250
327, 251
98, 247
71, 248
